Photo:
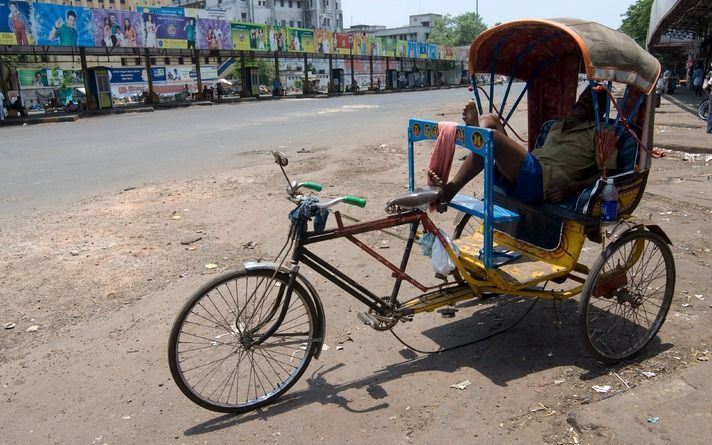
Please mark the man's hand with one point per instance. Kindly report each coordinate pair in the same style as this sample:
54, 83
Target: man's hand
58, 23
558, 193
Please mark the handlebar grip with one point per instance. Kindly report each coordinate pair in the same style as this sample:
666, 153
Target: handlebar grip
313, 186
354, 200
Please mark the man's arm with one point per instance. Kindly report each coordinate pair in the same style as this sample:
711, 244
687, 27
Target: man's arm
53, 33
560, 192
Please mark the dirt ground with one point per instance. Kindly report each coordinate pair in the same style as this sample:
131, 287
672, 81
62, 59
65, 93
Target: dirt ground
92, 290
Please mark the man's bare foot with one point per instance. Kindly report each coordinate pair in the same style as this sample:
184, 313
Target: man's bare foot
469, 114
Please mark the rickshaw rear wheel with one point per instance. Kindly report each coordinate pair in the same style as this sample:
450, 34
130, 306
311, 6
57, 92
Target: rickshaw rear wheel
627, 296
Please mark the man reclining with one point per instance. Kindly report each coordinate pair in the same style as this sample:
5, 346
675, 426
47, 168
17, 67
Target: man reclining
562, 167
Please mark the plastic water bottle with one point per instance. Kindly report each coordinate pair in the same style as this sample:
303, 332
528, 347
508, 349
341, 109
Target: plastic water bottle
609, 207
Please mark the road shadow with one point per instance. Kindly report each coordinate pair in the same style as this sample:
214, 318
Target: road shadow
547, 337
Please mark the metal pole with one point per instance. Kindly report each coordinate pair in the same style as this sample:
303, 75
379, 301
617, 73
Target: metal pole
370, 64
149, 76
91, 102
306, 88
353, 76
198, 77
331, 77
243, 76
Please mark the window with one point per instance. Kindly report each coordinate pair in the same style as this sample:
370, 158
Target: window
291, 23
123, 61
167, 61
426, 24
281, 3
299, 24
244, 16
137, 61
284, 23
207, 60
290, 3
180, 61
299, 4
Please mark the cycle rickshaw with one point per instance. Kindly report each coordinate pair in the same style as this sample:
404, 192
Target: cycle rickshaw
247, 336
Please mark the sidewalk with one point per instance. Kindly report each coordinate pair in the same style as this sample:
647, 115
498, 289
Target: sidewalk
677, 128
674, 410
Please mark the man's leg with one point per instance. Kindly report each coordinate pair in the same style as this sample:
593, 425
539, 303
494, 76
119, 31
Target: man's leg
508, 157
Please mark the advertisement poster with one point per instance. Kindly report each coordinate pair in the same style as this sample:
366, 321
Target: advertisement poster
278, 38
118, 29
250, 37
164, 31
376, 46
57, 25
422, 50
432, 51
15, 25
301, 40
209, 13
344, 43
324, 41
29, 79
389, 47
214, 34
175, 12
401, 48
362, 45
412, 49
136, 75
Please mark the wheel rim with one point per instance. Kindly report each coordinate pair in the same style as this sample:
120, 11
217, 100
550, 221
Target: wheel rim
216, 355
630, 297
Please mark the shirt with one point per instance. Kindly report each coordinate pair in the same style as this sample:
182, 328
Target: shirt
569, 155
67, 36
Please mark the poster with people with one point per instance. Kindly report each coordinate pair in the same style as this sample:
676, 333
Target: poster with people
278, 38
114, 29
389, 47
58, 25
412, 49
30, 79
324, 41
432, 51
163, 31
214, 34
376, 46
344, 43
300, 40
422, 50
15, 25
250, 37
402, 48
361, 45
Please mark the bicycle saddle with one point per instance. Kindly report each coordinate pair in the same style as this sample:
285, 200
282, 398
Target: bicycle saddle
420, 198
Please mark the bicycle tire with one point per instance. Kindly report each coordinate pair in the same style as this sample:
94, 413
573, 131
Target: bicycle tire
703, 109
232, 375
467, 225
623, 290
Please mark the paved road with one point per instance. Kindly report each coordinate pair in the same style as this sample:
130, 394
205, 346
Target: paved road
51, 164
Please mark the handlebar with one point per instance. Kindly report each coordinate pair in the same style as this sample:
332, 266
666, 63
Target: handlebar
353, 200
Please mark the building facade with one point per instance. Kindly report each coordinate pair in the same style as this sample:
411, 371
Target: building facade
125, 5
316, 14
418, 29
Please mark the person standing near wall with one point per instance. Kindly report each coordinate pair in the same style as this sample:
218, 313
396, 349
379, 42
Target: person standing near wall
709, 102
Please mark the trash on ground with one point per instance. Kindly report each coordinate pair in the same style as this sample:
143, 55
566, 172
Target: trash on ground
74, 252
601, 388
33, 328
462, 385
559, 381
339, 347
324, 347
175, 217
653, 419
211, 266
700, 297
184, 275
9, 325
648, 374
249, 245
189, 241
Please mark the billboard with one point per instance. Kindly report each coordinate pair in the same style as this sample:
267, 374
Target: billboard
432, 51
324, 41
250, 37
422, 50
214, 34
344, 43
15, 23
44, 78
376, 46
361, 45
401, 48
118, 29
389, 47
136, 75
57, 25
300, 40
412, 49
163, 31
278, 38
175, 12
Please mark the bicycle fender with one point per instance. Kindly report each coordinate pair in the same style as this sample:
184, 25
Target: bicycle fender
311, 292
634, 223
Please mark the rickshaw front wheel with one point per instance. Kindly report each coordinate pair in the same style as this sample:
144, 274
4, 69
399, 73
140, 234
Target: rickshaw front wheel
627, 296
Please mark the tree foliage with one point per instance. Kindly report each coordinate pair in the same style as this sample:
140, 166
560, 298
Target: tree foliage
456, 30
636, 21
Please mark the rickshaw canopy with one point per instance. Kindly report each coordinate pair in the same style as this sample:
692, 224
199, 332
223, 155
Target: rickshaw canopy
520, 48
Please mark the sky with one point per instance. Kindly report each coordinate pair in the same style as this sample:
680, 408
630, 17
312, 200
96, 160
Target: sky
395, 13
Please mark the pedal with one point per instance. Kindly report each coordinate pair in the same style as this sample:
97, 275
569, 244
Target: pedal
367, 319
447, 312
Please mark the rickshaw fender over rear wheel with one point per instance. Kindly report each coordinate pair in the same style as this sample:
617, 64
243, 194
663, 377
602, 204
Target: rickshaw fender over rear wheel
320, 331
627, 295
633, 224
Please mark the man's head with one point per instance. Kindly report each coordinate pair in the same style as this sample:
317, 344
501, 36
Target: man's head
13, 7
583, 108
71, 19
